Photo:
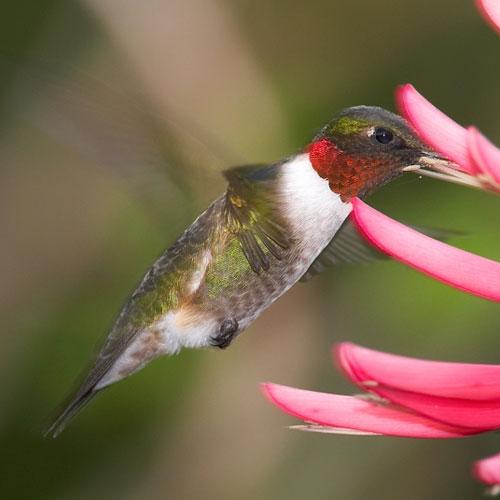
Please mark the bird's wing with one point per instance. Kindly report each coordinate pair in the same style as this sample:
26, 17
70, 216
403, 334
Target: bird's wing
159, 158
250, 215
349, 247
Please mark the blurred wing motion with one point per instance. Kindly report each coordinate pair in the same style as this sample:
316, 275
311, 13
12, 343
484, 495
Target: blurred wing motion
349, 247
116, 128
346, 247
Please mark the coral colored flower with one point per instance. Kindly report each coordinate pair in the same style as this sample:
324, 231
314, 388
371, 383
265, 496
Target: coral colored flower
460, 269
457, 394
333, 413
487, 471
477, 158
410, 397
407, 398
476, 163
413, 397
490, 9
486, 158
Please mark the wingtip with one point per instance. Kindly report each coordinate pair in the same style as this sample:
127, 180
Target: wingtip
57, 426
69, 410
53, 430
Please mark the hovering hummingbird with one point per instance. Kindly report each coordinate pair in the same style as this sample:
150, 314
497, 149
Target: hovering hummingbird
275, 225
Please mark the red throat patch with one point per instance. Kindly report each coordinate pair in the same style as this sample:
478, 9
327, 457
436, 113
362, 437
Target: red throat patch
322, 155
346, 175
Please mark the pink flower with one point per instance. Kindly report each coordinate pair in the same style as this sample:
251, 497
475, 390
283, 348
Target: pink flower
412, 397
487, 471
475, 155
334, 413
457, 394
460, 269
490, 9
407, 398
477, 164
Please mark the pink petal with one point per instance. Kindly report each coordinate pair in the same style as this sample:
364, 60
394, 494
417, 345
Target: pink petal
484, 153
460, 394
490, 9
434, 127
458, 268
487, 470
367, 367
355, 414
474, 414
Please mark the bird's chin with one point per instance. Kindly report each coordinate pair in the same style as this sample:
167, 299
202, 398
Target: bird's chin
437, 167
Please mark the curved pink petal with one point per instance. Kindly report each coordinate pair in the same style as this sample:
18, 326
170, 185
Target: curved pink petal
484, 153
354, 414
434, 127
369, 368
487, 470
460, 394
468, 272
490, 9
481, 415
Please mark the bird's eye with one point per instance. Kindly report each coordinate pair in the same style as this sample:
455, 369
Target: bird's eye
383, 135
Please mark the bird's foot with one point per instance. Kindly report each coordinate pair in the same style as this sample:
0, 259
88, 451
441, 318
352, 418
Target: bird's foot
227, 332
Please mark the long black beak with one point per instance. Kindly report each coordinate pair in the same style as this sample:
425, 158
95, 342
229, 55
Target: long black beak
431, 164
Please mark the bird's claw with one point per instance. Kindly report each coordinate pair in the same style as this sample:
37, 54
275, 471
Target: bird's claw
227, 332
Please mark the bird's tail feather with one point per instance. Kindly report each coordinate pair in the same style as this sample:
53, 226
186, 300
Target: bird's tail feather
69, 410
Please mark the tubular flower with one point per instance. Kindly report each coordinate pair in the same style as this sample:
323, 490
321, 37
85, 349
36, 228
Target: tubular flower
477, 159
490, 9
409, 397
406, 397
476, 162
460, 269
457, 394
487, 471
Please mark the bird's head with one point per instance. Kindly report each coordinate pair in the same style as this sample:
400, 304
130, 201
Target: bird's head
364, 147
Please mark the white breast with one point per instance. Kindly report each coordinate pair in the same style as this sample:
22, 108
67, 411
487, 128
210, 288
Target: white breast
314, 211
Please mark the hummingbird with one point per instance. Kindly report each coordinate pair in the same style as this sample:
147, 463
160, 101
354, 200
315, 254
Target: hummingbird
274, 225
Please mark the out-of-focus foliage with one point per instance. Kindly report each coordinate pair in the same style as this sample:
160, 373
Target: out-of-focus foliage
91, 192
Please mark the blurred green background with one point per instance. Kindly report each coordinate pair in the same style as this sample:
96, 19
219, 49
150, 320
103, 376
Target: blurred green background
116, 116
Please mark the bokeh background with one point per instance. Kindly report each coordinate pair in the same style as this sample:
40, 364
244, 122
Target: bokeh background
115, 118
